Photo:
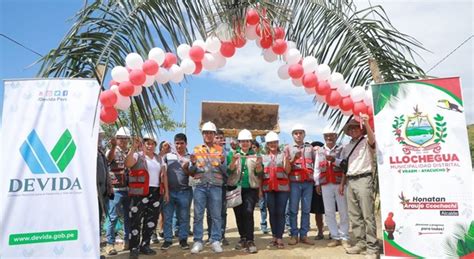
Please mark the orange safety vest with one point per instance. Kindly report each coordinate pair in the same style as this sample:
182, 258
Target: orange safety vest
301, 170
329, 173
208, 161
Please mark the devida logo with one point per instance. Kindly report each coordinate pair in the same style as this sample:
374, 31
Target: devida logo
41, 162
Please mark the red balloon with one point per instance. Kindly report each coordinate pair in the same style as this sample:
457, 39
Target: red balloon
227, 49
112, 82
170, 59
333, 98
198, 68
264, 31
346, 103
323, 88
126, 88
279, 33
359, 107
252, 17
279, 46
196, 53
108, 115
137, 77
295, 71
266, 42
108, 98
239, 41
310, 80
150, 67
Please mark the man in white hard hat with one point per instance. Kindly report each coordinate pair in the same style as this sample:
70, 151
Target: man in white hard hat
118, 174
208, 169
301, 156
330, 182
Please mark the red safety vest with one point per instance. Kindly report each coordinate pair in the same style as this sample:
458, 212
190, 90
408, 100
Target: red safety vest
138, 182
275, 179
329, 173
302, 170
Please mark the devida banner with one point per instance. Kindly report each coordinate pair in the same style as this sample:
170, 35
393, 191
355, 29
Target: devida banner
424, 167
48, 196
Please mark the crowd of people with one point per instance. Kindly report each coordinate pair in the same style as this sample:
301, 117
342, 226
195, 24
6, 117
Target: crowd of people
143, 181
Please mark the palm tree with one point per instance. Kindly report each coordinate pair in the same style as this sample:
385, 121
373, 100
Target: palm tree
360, 44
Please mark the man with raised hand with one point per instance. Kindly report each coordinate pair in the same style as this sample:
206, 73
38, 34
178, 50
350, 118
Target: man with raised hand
301, 156
360, 192
207, 168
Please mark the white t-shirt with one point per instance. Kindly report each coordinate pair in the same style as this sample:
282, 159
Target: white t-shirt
154, 169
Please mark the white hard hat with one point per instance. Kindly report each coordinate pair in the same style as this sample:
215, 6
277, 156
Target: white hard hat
209, 126
123, 132
298, 127
245, 135
150, 136
328, 130
271, 136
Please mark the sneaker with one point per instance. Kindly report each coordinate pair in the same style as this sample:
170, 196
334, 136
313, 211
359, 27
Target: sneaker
225, 242
306, 240
354, 250
216, 247
334, 243
293, 241
241, 245
184, 244
166, 245
146, 250
110, 249
197, 247
251, 247
346, 244
134, 253
154, 239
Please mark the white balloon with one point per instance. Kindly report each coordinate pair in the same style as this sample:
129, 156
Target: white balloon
188, 66
290, 44
283, 72
250, 32
199, 43
163, 76
183, 51
297, 82
134, 61
310, 90
293, 56
336, 80
114, 88
158, 55
213, 44
177, 74
310, 64
123, 102
119, 74
323, 72
220, 60
368, 98
137, 90
269, 55
357, 93
209, 62
344, 90
149, 81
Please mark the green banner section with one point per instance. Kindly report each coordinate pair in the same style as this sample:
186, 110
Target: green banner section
42, 237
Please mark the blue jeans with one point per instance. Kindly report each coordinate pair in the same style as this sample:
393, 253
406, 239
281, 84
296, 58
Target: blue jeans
223, 216
179, 203
262, 203
207, 196
120, 201
276, 202
300, 192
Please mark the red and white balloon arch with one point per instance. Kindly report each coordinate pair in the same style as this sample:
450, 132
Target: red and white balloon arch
317, 79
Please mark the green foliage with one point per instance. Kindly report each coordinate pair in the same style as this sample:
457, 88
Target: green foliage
440, 129
462, 241
383, 94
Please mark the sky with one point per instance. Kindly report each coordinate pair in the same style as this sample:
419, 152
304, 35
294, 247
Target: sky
439, 25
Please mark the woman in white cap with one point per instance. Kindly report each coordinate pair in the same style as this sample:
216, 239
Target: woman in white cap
276, 186
144, 181
244, 168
